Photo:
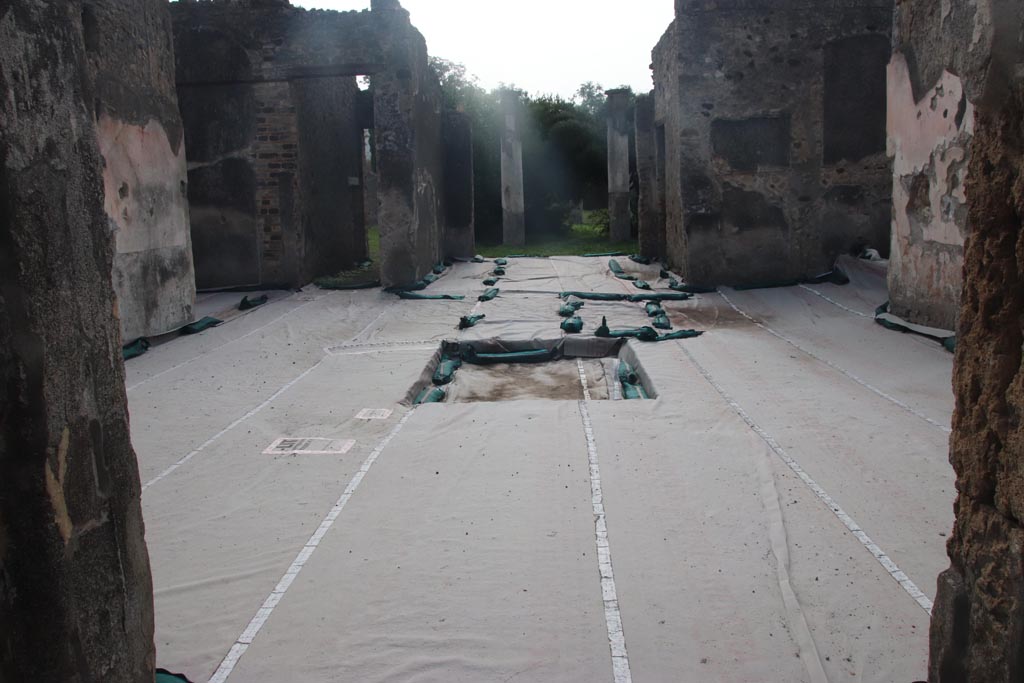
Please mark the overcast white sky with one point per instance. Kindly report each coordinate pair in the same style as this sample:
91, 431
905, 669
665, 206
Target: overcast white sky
542, 46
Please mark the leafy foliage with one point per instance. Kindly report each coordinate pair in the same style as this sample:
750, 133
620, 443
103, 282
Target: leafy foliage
564, 152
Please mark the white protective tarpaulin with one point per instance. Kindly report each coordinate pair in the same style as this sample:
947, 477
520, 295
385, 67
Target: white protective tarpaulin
777, 513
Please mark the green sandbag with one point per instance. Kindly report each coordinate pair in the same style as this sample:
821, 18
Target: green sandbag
680, 334
614, 266
605, 253
948, 343
467, 321
427, 280
439, 268
689, 289
594, 296
641, 333
632, 387
477, 259
416, 296
664, 274
647, 334
430, 395
200, 325
531, 356
491, 281
498, 271
165, 676
661, 296
135, 349
489, 294
654, 309
444, 373
500, 262
662, 322
248, 304
572, 325
568, 310
640, 284
642, 260
627, 278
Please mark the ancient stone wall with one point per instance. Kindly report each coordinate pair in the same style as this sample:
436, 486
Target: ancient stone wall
273, 136
140, 137
930, 126
407, 128
774, 115
75, 587
460, 232
650, 220
978, 619
619, 125
513, 197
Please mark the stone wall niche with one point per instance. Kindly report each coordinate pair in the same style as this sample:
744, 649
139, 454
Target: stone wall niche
774, 137
76, 600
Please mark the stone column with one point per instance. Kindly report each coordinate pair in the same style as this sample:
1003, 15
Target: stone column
651, 223
977, 629
513, 202
76, 598
618, 164
457, 137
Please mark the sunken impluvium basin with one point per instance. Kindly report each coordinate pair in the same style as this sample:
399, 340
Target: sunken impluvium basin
565, 369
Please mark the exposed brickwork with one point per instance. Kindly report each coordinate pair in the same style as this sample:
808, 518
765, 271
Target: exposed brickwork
274, 157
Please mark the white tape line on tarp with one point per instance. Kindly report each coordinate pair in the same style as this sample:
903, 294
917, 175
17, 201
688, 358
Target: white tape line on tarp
263, 613
218, 348
836, 303
231, 426
894, 571
832, 365
609, 595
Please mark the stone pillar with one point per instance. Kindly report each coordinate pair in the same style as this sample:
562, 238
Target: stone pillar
977, 629
140, 136
513, 202
618, 165
457, 134
651, 223
76, 598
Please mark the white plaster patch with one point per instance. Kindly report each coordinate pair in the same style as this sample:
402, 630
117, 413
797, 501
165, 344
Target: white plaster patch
309, 446
374, 414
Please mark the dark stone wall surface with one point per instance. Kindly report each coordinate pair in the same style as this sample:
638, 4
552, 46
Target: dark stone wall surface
75, 587
460, 231
757, 99
650, 220
977, 626
410, 175
330, 174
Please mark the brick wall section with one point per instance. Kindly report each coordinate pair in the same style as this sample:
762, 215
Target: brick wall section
274, 156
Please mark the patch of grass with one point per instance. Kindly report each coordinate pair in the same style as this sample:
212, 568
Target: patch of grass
582, 239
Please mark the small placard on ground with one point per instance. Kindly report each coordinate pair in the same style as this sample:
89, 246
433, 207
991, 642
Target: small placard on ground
309, 446
374, 414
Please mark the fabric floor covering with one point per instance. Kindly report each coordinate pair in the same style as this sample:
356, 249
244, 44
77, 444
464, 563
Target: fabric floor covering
777, 513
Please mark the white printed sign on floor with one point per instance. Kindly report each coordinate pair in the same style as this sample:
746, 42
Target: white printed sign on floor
309, 446
374, 414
